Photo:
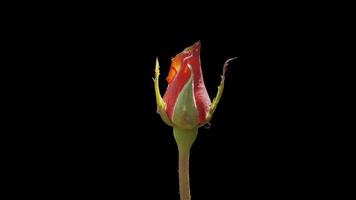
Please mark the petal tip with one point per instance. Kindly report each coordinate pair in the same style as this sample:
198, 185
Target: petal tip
195, 47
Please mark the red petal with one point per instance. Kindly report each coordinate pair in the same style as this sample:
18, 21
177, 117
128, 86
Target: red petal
202, 98
178, 76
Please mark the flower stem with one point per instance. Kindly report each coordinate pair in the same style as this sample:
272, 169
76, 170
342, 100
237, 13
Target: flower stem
184, 139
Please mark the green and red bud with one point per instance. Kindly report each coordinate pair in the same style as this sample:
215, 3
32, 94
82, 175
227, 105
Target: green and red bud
186, 103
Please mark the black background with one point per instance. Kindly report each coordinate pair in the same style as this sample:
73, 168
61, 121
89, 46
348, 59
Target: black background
98, 131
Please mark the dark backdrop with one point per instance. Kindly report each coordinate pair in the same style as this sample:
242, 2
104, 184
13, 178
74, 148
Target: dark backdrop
102, 136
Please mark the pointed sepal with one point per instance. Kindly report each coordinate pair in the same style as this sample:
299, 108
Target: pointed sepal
161, 105
216, 100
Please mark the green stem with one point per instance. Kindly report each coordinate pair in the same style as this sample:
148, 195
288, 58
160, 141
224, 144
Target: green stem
184, 139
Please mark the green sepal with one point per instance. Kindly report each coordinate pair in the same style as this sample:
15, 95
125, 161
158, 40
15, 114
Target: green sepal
161, 105
216, 100
185, 114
